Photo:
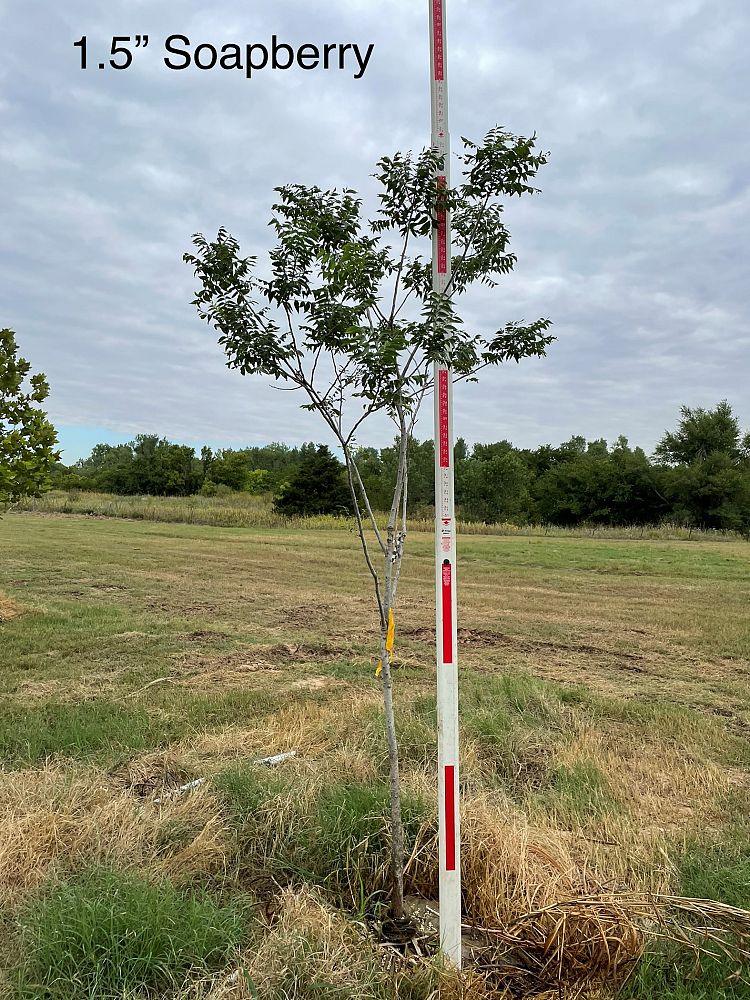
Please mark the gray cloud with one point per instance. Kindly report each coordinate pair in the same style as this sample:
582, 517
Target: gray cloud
636, 249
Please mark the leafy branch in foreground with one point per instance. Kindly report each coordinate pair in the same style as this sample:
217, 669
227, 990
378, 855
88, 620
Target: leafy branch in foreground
346, 313
27, 438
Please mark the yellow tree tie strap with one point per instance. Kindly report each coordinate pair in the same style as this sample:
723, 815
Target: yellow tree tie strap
389, 640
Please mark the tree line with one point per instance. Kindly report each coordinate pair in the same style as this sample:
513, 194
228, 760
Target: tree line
699, 474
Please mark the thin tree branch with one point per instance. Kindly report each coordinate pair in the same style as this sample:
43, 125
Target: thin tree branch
315, 398
363, 540
366, 500
370, 408
402, 260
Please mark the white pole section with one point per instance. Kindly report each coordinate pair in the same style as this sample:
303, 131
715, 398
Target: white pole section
445, 531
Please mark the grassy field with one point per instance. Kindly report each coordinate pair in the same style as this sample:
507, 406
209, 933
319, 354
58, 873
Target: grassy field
605, 724
245, 510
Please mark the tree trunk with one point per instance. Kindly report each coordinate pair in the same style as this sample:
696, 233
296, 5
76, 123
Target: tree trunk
397, 829
392, 548
393, 552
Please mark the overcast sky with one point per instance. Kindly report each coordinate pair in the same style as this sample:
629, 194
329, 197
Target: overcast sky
636, 249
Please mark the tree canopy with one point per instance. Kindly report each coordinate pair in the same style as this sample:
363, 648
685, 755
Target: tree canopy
701, 433
346, 310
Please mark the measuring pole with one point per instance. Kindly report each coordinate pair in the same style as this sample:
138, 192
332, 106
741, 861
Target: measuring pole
445, 530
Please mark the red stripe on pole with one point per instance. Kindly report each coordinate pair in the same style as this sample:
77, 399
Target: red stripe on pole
442, 232
437, 24
445, 451
447, 604
450, 817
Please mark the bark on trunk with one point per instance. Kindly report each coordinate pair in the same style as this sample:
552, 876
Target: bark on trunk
392, 548
397, 829
393, 552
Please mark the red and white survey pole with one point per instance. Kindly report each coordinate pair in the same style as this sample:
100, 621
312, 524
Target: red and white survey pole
445, 531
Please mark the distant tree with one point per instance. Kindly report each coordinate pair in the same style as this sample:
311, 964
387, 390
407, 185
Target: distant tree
493, 484
229, 467
377, 481
701, 433
148, 464
596, 484
712, 493
181, 471
161, 468
63, 477
420, 473
346, 313
708, 474
258, 481
27, 438
108, 468
540, 460
635, 488
318, 487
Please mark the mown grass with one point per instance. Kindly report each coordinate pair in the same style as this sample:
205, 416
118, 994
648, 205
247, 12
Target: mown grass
97, 729
604, 708
104, 732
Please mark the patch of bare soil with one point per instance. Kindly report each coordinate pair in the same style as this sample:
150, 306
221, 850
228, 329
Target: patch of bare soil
349, 617
233, 668
466, 636
484, 638
307, 652
9, 609
315, 683
260, 657
202, 635
304, 615
151, 774
182, 607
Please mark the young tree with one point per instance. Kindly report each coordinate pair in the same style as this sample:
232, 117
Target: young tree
349, 317
27, 438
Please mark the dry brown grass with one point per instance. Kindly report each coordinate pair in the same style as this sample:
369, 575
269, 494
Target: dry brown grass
9, 609
550, 908
661, 784
307, 942
315, 731
53, 820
